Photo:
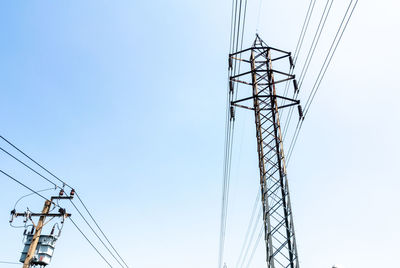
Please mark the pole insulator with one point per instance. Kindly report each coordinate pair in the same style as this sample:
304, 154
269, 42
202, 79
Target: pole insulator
12, 213
296, 87
291, 62
231, 85
300, 110
52, 230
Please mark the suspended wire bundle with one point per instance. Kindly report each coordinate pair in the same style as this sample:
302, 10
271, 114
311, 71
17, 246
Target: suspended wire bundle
238, 19
113, 252
243, 253
328, 58
308, 59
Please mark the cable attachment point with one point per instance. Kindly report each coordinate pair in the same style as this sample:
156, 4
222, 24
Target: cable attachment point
64, 213
296, 87
291, 61
27, 216
13, 216
300, 110
230, 62
52, 230
232, 113
230, 85
62, 190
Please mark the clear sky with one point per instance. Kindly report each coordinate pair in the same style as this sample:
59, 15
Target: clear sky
125, 100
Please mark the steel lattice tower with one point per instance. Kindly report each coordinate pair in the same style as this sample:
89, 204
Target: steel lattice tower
264, 100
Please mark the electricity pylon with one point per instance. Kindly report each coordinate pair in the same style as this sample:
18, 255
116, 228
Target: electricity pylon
281, 250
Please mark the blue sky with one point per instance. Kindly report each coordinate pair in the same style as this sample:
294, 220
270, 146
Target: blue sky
125, 100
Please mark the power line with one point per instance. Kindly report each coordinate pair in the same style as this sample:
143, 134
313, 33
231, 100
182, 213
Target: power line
95, 233
309, 101
315, 41
95, 222
9, 262
249, 227
231, 34
225, 194
299, 45
98, 252
237, 34
20, 183
307, 62
252, 236
30, 158
305, 27
35, 192
323, 70
15, 205
80, 200
255, 247
30, 168
258, 15
36, 172
234, 26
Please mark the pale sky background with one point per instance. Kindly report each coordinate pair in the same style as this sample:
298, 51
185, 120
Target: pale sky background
125, 100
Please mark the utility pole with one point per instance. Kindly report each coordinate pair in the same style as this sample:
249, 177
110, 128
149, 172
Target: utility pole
281, 250
38, 231
40, 224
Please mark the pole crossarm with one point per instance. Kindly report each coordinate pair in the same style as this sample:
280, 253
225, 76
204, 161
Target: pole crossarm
281, 249
41, 214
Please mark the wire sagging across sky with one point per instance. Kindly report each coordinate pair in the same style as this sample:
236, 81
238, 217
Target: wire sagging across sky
118, 259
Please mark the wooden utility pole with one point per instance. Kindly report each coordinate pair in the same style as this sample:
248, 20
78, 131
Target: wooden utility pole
36, 236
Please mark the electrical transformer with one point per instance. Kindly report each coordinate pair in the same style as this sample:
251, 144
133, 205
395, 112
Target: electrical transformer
44, 250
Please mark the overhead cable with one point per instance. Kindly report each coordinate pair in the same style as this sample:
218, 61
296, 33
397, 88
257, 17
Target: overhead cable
36, 192
299, 45
22, 184
57, 186
237, 32
9, 262
30, 158
309, 57
315, 41
325, 65
250, 241
256, 203
255, 247
87, 239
